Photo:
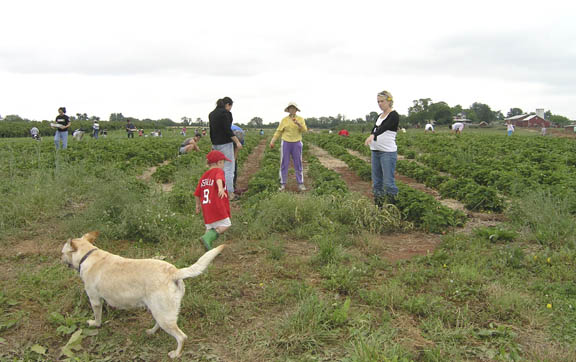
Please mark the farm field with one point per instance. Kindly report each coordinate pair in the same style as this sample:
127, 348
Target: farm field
475, 262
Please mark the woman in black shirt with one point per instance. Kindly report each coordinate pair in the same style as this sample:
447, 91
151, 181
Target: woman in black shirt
63, 122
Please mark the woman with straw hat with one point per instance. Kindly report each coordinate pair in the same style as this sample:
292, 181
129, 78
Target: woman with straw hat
290, 131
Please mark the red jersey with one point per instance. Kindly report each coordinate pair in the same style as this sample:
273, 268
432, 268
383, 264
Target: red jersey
214, 208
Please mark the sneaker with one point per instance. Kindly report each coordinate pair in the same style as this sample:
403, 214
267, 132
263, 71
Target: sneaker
282, 188
301, 187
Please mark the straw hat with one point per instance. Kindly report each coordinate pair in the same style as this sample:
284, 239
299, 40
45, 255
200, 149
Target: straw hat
291, 104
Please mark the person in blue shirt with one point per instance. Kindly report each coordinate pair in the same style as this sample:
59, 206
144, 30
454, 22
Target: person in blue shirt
239, 133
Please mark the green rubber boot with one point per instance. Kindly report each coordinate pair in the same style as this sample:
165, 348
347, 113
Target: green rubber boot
208, 238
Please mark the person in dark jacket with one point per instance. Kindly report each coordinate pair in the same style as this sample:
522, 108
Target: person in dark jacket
382, 143
223, 139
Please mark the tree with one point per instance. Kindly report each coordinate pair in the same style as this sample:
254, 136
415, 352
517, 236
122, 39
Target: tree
418, 113
440, 112
483, 112
14, 118
547, 114
514, 112
116, 117
560, 120
256, 122
372, 117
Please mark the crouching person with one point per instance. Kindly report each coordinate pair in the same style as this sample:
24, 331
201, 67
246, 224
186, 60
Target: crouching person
212, 196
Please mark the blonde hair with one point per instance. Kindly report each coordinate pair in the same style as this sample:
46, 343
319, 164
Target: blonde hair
388, 97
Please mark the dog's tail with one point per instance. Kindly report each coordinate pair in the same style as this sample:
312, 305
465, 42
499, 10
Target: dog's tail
198, 267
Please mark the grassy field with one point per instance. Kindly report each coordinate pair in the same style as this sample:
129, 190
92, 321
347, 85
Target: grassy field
316, 276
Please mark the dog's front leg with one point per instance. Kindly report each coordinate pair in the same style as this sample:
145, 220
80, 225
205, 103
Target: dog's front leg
96, 303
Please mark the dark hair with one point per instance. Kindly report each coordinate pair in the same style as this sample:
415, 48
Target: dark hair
63, 109
224, 101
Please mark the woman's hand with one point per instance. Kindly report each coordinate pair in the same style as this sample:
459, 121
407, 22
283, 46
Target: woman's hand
369, 140
238, 146
221, 193
271, 144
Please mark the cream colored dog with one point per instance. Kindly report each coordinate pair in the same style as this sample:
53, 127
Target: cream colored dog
127, 283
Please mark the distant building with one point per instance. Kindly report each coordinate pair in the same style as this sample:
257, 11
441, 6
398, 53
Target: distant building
529, 120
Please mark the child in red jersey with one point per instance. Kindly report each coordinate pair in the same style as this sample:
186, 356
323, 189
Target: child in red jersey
212, 195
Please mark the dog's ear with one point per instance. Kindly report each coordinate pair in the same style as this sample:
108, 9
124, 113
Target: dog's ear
91, 236
70, 246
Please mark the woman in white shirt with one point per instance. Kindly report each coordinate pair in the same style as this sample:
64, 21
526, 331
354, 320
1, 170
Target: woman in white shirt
382, 143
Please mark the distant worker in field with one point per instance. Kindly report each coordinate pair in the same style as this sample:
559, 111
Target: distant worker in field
239, 133
189, 144
429, 127
183, 132
130, 129
290, 130
78, 134
261, 132
35, 133
95, 129
509, 128
62, 123
457, 127
344, 133
223, 139
543, 131
382, 143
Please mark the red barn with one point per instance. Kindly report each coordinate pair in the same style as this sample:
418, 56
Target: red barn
529, 120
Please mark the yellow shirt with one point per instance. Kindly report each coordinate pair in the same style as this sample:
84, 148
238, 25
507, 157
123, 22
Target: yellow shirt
289, 131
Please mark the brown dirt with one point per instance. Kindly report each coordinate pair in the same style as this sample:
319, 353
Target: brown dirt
250, 166
147, 175
354, 183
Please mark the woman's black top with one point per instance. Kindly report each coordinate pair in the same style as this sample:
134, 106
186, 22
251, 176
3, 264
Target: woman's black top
389, 124
63, 120
220, 123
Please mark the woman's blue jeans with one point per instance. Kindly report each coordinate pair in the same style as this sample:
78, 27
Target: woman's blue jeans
383, 167
61, 136
228, 150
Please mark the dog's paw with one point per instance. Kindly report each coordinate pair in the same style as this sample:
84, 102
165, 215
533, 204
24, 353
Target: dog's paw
150, 331
92, 323
173, 354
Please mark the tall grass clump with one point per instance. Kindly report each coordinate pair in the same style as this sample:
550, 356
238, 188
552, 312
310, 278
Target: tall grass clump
545, 218
314, 323
41, 196
305, 216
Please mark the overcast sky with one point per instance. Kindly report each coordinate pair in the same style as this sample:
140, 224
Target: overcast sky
158, 59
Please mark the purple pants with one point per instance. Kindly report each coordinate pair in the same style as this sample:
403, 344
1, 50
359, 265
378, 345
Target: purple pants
293, 149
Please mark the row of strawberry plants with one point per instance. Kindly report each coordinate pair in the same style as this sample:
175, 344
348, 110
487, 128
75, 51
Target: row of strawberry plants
501, 161
418, 207
515, 166
475, 197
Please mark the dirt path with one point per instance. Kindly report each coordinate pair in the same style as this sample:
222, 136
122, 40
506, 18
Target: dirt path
395, 246
250, 166
147, 176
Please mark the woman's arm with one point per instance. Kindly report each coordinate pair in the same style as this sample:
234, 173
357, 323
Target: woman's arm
278, 133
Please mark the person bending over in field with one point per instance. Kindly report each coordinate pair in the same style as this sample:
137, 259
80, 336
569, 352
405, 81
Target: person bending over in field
382, 143
211, 195
190, 144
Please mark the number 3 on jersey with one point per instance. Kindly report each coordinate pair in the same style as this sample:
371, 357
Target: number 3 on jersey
206, 199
